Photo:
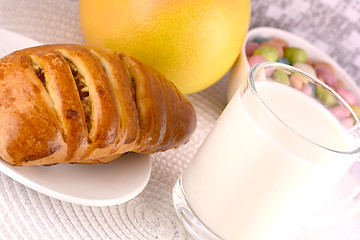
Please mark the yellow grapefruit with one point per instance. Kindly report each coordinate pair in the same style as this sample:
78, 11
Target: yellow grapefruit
193, 43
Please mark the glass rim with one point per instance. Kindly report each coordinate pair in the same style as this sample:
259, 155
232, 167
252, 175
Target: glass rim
251, 85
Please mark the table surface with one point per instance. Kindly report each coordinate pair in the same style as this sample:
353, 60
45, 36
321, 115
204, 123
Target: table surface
333, 26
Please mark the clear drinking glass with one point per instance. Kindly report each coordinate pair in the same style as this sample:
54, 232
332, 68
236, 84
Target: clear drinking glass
277, 150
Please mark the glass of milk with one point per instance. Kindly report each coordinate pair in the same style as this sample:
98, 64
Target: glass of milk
275, 153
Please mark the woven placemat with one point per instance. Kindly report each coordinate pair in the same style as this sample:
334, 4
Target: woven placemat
27, 214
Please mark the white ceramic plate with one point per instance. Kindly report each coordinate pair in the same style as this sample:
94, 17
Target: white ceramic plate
93, 185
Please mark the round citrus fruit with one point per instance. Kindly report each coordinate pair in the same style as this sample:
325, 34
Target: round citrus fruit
192, 43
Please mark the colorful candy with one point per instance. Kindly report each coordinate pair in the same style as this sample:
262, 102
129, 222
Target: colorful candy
295, 55
260, 40
326, 75
275, 49
284, 44
281, 77
356, 109
347, 95
307, 89
340, 112
305, 68
325, 96
268, 52
275, 45
283, 60
297, 82
254, 59
251, 47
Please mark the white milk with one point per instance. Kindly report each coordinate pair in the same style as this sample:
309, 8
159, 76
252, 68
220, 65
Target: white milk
244, 185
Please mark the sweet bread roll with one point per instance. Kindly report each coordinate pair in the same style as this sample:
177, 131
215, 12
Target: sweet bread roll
78, 104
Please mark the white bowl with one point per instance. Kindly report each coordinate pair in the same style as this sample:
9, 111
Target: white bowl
238, 74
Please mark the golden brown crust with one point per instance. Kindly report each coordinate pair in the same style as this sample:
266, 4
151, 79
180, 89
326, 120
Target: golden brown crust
79, 104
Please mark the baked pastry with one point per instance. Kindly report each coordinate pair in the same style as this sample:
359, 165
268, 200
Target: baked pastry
79, 104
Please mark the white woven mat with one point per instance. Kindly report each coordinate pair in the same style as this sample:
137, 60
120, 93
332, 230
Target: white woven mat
27, 214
